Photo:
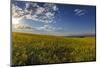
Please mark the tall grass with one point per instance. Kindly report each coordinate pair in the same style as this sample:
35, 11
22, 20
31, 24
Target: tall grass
28, 49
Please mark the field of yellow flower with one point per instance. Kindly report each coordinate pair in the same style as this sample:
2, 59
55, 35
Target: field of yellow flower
33, 49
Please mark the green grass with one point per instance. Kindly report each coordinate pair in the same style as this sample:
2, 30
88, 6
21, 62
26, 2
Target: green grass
28, 49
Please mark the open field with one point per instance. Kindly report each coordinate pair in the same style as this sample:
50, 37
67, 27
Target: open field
28, 49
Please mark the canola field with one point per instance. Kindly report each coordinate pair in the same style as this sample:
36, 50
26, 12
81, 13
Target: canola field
35, 49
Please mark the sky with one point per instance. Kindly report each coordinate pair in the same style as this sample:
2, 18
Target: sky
53, 18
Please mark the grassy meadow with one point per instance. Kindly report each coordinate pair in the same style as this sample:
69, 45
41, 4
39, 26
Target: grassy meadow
33, 49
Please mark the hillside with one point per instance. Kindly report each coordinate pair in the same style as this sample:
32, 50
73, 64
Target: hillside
28, 49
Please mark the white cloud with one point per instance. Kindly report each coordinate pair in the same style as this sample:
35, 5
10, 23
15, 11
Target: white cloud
27, 5
28, 16
16, 11
34, 4
49, 14
45, 28
44, 14
39, 10
48, 28
51, 6
14, 7
22, 26
55, 8
79, 12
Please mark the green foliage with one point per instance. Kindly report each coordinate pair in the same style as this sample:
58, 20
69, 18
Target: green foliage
28, 49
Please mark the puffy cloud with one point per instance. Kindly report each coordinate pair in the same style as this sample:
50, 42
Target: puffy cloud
39, 10
55, 8
48, 28
45, 28
18, 26
45, 13
49, 14
27, 5
51, 7
79, 12
17, 11
33, 11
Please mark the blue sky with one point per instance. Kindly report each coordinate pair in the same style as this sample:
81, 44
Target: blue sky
53, 19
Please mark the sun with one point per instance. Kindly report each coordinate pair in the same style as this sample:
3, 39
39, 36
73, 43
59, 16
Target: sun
15, 20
